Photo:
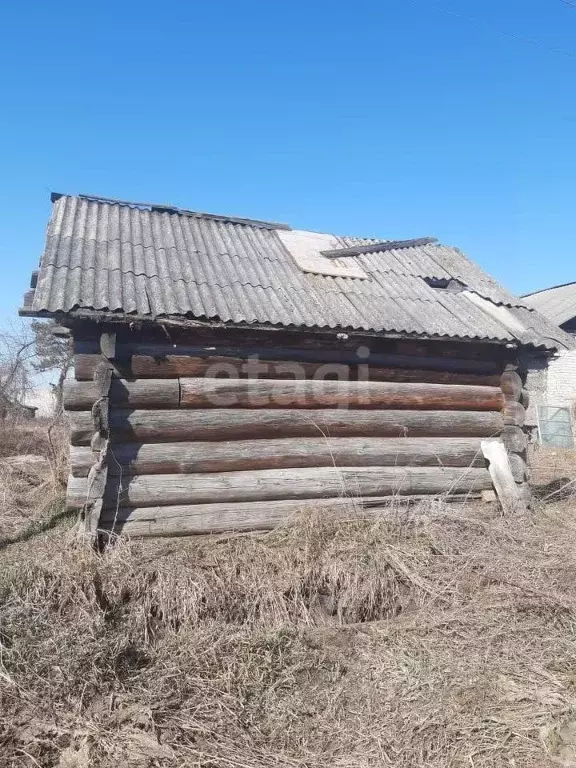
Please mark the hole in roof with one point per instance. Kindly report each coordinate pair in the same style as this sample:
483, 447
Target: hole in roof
448, 284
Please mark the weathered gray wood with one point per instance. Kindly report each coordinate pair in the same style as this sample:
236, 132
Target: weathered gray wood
97, 470
511, 385
213, 366
170, 458
501, 474
172, 364
108, 345
514, 439
271, 393
250, 516
217, 518
385, 245
254, 516
272, 484
518, 467
317, 353
229, 424
514, 414
145, 393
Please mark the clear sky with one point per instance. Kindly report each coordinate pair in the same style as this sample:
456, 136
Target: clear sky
390, 118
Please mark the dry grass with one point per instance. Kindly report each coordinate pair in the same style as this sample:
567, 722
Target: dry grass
33, 457
443, 638
553, 465
439, 641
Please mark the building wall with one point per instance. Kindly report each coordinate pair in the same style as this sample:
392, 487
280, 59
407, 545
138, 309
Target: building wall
189, 437
562, 379
553, 384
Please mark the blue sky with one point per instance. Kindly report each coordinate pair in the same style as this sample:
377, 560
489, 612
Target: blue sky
391, 118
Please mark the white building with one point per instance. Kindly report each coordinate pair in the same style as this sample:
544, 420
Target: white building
553, 389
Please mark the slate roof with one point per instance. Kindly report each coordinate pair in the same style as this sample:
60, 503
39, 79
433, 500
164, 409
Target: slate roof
156, 261
558, 304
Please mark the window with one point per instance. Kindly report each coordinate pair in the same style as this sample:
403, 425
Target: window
555, 427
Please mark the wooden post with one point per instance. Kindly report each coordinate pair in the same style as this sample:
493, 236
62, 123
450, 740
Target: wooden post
501, 474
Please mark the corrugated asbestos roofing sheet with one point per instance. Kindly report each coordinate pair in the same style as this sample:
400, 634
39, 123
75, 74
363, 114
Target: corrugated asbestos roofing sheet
158, 262
557, 304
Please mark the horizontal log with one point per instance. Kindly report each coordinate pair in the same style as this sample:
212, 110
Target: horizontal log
145, 393
249, 516
271, 393
157, 426
173, 365
170, 458
449, 360
272, 484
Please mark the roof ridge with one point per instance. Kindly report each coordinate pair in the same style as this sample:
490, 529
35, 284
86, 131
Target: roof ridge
167, 208
551, 288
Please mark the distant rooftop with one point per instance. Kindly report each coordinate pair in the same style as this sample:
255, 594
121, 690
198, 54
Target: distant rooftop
146, 260
558, 303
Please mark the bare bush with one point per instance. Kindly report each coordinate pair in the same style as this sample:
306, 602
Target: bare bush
33, 472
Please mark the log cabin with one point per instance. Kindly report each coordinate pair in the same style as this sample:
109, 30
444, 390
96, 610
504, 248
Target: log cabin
230, 372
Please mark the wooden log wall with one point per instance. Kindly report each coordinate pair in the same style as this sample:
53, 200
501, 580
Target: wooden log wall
196, 445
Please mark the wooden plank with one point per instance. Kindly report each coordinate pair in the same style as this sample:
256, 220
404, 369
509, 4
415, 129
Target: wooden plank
170, 458
172, 364
161, 426
272, 484
385, 245
501, 474
271, 393
145, 393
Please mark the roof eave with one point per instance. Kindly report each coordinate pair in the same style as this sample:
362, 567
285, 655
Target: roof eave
99, 316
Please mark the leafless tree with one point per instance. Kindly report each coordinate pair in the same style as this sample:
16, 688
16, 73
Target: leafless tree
17, 351
52, 353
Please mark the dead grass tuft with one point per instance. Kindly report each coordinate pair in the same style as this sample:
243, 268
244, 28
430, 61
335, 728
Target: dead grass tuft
436, 639
33, 470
